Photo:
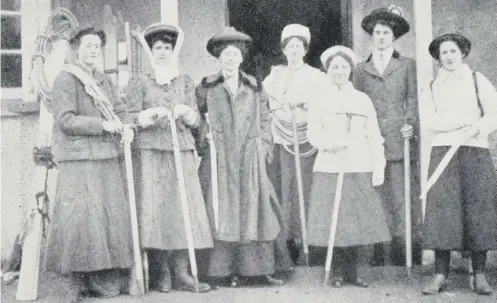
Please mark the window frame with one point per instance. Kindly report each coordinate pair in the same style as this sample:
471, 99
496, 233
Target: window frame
34, 15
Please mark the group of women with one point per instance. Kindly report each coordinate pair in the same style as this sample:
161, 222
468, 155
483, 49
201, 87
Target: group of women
340, 131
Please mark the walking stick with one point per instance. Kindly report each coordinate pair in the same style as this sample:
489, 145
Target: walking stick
300, 189
184, 201
136, 279
333, 227
407, 195
215, 189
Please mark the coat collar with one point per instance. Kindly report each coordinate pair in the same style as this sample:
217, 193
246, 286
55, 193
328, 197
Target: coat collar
445, 75
98, 76
393, 64
244, 78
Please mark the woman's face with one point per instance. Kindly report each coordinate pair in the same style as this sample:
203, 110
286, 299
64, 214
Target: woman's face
162, 52
450, 55
231, 57
382, 37
89, 50
294, 50
339, 70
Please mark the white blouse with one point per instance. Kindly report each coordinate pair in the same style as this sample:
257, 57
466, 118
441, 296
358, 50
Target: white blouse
284, 85
453, 104
327, 128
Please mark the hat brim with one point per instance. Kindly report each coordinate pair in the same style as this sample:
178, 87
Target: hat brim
79, 32
216, 43
399, 24
155, 30
462, 42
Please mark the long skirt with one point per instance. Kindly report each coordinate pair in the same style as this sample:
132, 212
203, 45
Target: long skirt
90, 228
284, 177
461, 207
159, 205
245, 259
361, 219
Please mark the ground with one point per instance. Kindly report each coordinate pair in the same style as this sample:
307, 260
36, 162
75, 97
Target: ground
389, 284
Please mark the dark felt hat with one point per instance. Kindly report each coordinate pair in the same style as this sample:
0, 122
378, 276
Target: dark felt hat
229, 36
462, 42
161, 31
80, 32
392, 15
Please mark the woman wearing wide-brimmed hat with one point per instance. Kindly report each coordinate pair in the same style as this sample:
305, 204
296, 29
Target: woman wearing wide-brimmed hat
345, 130
389, 79
239, 123
150, 98
90, 234
461, 209
295, 83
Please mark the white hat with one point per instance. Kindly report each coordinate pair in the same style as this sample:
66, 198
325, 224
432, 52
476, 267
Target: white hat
330, 52
292, 30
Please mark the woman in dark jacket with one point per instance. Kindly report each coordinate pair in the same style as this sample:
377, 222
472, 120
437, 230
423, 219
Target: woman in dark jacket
461, 209
239, 122
90, 234
151, 97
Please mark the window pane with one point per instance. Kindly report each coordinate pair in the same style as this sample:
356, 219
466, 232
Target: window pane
11, 71
11, 5
11, 32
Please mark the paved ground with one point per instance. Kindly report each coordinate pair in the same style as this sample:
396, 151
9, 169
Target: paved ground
389, 284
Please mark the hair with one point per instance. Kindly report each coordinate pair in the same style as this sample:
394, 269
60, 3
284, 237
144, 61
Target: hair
161, 36
464, 50
341, 54
390, 24
287, 39
76, 39
240, 45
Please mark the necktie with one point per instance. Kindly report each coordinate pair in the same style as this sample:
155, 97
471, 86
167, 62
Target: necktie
382, 63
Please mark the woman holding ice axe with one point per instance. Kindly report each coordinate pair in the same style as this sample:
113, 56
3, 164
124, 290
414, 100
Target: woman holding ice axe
349, 164
171, 208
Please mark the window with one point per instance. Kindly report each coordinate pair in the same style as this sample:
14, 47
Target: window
11, 45
22, 22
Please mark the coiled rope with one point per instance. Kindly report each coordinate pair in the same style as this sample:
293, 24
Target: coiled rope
284, 128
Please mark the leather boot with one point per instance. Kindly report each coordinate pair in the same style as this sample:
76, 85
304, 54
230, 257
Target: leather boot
436, 285
481, 285
183, 281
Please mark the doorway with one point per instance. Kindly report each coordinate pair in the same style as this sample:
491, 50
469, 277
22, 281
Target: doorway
263, 20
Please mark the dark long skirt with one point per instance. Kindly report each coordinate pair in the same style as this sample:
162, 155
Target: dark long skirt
245, 259
461, 207
90, 228
361, 219
159, 203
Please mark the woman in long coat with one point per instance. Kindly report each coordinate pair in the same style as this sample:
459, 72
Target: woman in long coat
151, 97
299, 84
239, 120
345, 131
389, 79
90, 234
461, 209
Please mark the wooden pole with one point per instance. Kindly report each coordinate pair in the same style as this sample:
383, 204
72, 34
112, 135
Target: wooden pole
333, 228
424, 66
407, 196
300, 188
184, 202
136, 280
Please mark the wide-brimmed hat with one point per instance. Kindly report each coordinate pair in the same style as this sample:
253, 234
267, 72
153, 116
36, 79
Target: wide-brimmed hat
229, 36
340, 50
82, 31
462, 42
392, 15
161, 31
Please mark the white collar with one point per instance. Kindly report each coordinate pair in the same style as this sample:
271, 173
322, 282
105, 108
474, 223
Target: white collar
461, 73
348, 86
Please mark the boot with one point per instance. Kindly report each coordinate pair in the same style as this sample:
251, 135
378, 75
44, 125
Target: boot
378, 258
183, 281
271, 281
436, 285
77, 288
159, 271
481, 285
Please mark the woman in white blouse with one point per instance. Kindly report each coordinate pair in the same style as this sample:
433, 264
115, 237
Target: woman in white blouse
461, 210
345, 130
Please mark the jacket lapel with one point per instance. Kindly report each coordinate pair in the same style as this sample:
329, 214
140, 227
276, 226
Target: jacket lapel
370, 68
393, 64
